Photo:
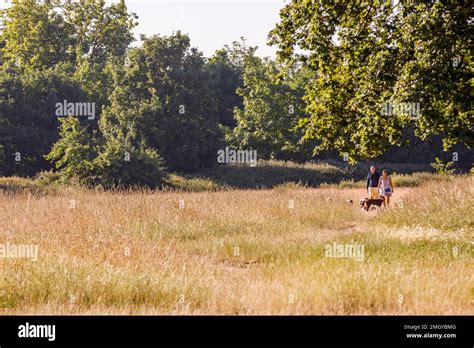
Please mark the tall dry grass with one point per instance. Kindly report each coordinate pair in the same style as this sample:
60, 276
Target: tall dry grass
239, 252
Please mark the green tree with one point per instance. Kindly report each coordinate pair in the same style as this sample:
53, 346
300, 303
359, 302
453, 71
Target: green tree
54, 51
226, 76
38, 35
28, 116
438, 69
162, 101
272, 108
365, 53
35, 35
73, 154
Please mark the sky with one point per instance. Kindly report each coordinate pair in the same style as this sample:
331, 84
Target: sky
211, 24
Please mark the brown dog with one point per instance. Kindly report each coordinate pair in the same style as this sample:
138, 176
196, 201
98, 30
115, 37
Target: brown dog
367, 203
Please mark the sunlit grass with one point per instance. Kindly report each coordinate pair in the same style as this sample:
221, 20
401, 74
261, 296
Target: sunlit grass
239, 252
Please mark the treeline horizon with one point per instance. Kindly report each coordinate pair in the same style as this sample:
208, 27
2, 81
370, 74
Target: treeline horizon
163, 106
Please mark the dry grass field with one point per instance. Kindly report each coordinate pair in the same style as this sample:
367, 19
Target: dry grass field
239, 252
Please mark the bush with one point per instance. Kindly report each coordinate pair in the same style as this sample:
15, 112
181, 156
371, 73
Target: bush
81, 159
48, 179
443, 168
121, 165
74, 152
17, 185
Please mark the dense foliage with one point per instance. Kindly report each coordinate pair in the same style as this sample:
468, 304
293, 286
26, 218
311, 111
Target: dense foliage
364, 54
162, 104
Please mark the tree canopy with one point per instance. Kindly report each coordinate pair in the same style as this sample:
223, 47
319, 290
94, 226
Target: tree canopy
363, 54
355, 79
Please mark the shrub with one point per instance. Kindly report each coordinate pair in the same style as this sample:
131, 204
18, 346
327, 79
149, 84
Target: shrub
443, 168
121, 165
81, 159
74, 152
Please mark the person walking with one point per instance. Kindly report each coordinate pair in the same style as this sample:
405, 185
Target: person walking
386, 187
373, 183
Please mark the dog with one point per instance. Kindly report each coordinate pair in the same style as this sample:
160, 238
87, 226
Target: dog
368, 203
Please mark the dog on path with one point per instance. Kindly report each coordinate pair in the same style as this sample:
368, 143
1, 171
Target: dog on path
368, 203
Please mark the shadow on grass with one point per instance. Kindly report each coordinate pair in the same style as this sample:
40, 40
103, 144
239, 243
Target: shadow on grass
272, 174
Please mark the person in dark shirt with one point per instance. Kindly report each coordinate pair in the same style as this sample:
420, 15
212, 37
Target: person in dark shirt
373, 183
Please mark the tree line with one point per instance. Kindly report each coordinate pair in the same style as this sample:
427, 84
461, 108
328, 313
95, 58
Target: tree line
162, 106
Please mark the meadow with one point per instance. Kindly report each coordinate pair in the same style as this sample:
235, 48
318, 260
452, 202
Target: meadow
236, 251
124, 208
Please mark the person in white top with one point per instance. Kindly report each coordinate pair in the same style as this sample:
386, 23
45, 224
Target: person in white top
385, 187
